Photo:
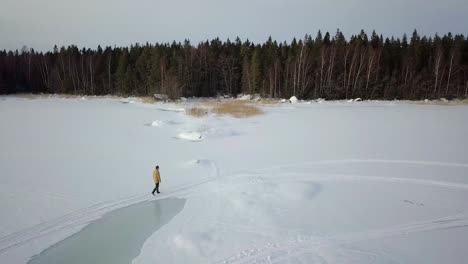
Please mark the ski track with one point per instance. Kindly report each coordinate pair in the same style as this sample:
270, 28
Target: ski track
388, 161
277, 252
351, 177
272, 252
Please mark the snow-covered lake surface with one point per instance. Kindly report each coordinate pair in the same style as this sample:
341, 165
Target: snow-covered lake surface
335, 182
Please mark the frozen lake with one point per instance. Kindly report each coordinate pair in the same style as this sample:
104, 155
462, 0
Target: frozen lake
329, 182
115, 238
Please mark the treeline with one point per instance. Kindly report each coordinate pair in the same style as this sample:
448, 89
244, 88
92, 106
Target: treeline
324, 66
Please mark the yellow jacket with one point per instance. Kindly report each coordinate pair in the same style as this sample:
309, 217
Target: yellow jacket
156, 176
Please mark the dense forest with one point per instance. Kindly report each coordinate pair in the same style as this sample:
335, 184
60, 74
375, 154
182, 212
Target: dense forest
325, 66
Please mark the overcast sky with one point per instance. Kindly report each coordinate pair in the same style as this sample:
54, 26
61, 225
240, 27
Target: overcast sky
42, 23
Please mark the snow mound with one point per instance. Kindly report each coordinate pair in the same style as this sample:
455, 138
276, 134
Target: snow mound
283, 100
157, 123
357, 100
205, 163
177, 110
127, 101
350, 101
244, 97
293, 100
190, 136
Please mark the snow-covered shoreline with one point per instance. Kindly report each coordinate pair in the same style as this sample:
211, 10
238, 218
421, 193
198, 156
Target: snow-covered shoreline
251, 99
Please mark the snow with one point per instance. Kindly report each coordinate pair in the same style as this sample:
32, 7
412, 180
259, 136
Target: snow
374, 182
191, 136
244, 97
293, 99
157, 123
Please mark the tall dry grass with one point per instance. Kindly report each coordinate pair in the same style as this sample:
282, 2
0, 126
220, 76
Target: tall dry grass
237, 109
197, 111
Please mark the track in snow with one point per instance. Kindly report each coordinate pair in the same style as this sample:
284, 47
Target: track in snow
278, 252
89, 214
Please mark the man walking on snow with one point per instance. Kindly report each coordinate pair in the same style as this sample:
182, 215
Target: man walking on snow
156, 179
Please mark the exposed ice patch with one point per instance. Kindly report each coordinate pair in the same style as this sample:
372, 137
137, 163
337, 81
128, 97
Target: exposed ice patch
190, 136
91, 245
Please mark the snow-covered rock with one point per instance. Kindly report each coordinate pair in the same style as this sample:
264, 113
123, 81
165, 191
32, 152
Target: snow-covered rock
127, 101
426, 100
293, 100
283, 101
357, 100
350, 100
162, 97
190, 136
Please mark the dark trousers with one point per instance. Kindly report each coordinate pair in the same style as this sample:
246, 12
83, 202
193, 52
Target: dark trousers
156, 188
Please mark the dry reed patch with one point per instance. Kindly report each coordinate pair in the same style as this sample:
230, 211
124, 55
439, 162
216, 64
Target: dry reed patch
148, 99
197, 111
237, 109
26, 95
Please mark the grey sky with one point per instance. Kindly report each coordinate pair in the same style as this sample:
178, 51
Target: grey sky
42, 23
